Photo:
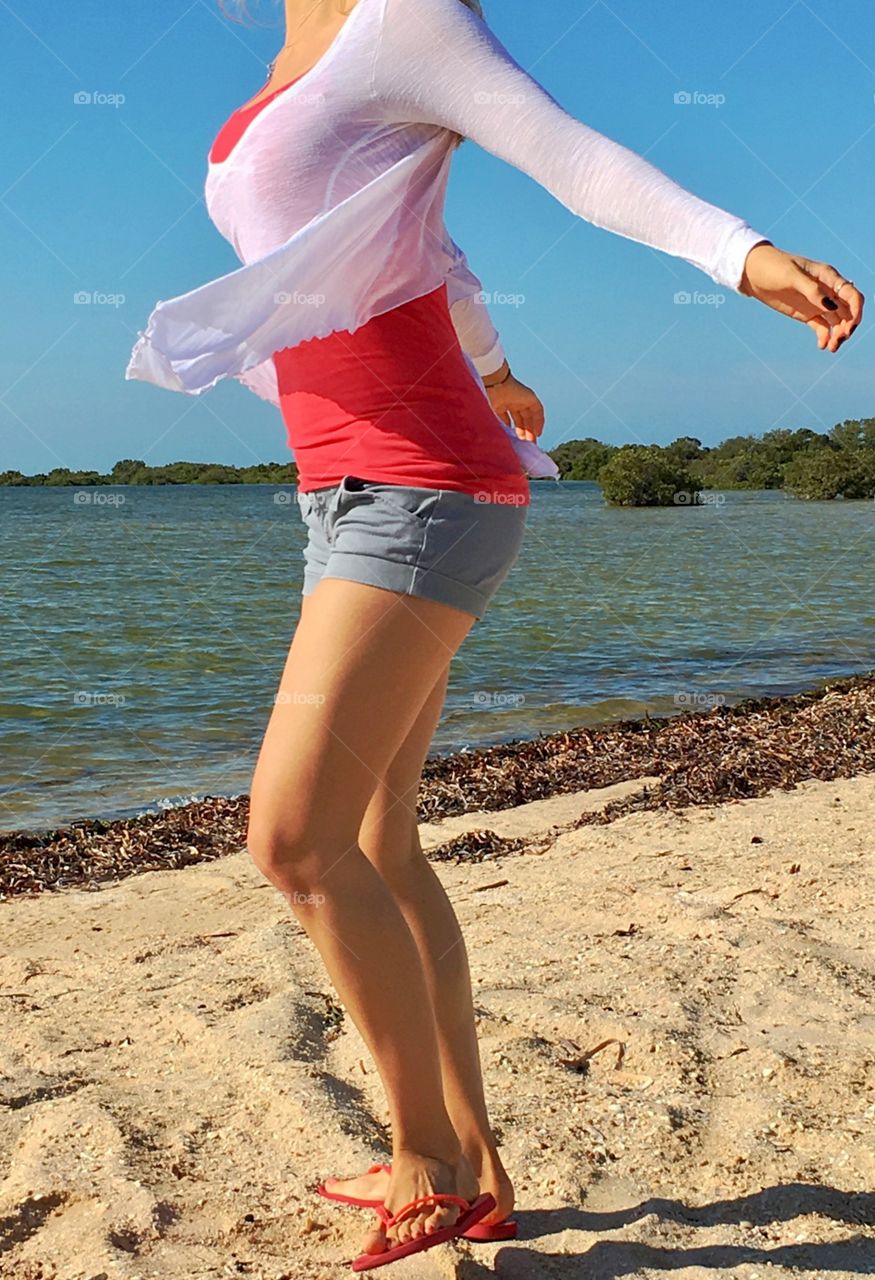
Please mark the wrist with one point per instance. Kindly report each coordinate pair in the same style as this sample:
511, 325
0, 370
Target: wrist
500, 375
744, 286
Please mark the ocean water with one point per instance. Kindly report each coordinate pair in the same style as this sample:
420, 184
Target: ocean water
144, 629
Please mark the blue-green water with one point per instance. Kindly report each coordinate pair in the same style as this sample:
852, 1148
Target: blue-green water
144, 629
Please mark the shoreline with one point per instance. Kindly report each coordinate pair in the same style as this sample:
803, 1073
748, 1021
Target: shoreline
689, 760
640, 714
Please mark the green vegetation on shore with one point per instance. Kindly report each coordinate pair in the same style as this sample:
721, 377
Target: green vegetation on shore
804, 463
134, 471
808, 464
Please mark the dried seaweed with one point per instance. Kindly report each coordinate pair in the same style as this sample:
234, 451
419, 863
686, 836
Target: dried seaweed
91, 852
730, 753
476, 846
578, 1059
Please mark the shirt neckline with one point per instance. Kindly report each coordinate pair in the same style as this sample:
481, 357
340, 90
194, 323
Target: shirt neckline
319, 65
238, 122
251, 106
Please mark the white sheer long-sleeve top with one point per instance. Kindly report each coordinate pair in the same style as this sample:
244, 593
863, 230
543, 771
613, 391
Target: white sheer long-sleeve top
333, 199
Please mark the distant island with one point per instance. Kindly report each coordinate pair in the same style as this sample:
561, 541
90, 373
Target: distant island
806, 464
134, 471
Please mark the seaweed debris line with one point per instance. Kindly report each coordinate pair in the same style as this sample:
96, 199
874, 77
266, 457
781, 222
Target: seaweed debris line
726, 754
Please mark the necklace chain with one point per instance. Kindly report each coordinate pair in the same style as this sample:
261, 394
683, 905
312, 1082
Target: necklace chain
271, 65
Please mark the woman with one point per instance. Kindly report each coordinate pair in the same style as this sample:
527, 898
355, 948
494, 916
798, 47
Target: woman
359, 317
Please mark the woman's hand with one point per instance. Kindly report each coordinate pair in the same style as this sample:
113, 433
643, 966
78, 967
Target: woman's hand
810, 292
515, 403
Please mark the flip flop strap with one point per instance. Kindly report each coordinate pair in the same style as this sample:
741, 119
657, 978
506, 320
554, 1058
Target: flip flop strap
380, 1168
392, 1220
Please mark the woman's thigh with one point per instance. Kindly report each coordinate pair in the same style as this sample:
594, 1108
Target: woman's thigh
362, 663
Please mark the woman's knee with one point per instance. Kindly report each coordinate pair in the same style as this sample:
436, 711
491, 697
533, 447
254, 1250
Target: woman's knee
293, 851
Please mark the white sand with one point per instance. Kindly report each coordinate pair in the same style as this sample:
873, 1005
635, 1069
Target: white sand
173, 1086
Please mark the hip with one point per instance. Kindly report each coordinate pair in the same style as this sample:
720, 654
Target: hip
445, 544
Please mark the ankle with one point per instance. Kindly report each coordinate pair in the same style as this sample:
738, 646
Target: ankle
479, 1147
445, 1153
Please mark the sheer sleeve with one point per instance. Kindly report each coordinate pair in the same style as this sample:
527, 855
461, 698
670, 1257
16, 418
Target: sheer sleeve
437, 62
478, 336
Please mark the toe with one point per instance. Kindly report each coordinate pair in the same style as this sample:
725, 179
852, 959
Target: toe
417, 1228
375, 1241
444, 1216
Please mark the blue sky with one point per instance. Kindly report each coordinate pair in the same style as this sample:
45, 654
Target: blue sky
107, 198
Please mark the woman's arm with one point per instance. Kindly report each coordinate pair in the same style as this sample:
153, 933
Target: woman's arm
478, 336
515, 404
437, 62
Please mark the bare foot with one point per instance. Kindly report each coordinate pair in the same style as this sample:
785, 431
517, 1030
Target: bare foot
367, 1186
493, 1177
414, 1176
487, 1167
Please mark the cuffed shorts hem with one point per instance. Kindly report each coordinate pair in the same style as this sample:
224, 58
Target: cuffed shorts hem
409, 581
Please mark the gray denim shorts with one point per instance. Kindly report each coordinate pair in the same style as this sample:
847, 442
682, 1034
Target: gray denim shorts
441, 544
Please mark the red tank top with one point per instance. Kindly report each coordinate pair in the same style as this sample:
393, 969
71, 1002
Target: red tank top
393, 401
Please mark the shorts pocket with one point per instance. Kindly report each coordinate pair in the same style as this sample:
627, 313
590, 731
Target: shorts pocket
414, 504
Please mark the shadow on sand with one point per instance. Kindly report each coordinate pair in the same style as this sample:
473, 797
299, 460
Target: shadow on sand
607, 1259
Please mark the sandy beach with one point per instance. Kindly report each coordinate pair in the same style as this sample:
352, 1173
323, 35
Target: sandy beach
176, 1074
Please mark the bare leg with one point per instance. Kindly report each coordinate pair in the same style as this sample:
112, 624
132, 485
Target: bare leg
389, 837
362, 663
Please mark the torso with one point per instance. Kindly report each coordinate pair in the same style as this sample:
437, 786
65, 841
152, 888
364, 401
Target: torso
393, 401
396, 401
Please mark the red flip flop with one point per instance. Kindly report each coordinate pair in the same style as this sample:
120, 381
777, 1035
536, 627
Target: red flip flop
480, 1233
472, 1212
488, 1232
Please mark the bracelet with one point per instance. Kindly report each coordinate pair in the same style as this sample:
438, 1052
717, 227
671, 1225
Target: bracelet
489, 385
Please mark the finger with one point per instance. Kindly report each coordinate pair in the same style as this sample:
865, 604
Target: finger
846, 292
522, 426
821, 329
837, 288
840, 333
814, 295
535, 417
855, 302
810, 306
